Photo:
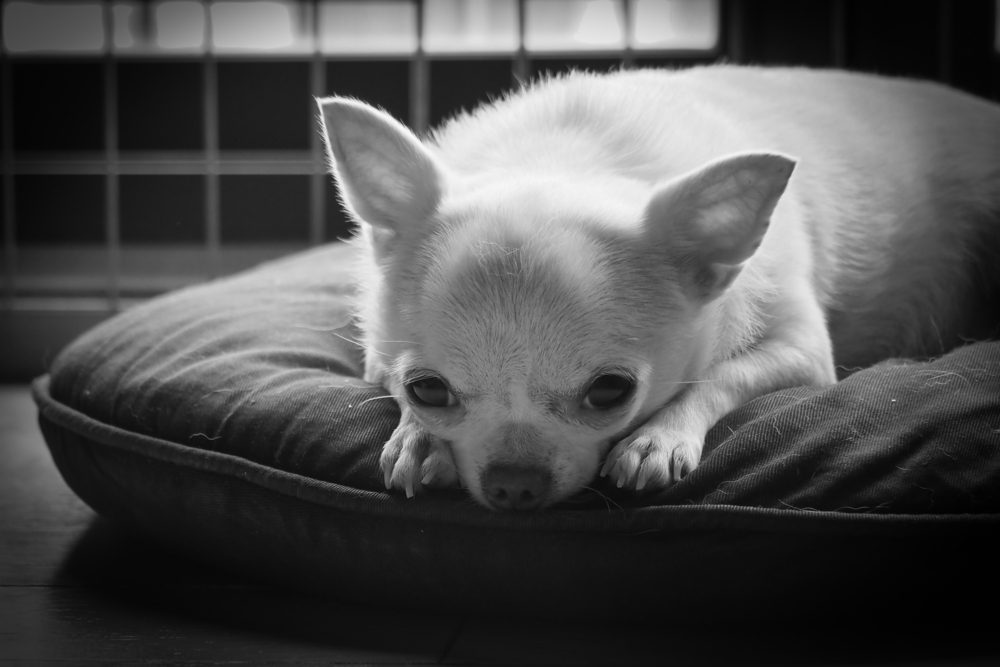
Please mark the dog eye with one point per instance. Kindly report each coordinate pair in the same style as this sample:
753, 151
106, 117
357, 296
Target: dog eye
431, 392
608, 391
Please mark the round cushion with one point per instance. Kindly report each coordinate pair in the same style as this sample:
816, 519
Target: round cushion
228, 422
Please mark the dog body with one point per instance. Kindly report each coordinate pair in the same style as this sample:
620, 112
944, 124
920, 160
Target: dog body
585, 276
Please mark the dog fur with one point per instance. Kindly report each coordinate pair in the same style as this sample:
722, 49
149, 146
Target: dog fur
696, 237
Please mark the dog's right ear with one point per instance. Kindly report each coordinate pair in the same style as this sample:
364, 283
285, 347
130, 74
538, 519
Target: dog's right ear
387, 178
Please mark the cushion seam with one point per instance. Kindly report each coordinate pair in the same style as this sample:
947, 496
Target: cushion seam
634, 520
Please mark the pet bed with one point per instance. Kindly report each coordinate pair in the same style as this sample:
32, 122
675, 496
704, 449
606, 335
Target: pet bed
228, 422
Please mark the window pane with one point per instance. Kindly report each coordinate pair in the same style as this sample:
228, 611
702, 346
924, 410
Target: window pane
672, 62
915, 42
58, 106
75, 27
162, 209
160, 106
378, 26
126, 26
179, 25
551, 65
675, 24
464, 84
265, 105
59, 209
260, 25
573, 25
788, 32
385, 83
470, 26
264, 208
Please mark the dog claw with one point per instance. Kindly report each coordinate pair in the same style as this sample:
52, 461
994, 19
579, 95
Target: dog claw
679, 466
412, 459
651, 460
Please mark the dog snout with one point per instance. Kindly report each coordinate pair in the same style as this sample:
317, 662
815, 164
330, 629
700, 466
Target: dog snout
518, 487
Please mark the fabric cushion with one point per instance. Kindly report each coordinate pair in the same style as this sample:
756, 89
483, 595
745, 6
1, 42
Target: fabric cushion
229, 422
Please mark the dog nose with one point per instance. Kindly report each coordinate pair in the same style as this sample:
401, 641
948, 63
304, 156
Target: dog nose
516, 487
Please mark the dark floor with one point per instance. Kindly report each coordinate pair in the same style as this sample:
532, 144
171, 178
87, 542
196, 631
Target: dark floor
78, 590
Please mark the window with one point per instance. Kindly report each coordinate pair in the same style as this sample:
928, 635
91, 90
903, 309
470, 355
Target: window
180, 129
149, 144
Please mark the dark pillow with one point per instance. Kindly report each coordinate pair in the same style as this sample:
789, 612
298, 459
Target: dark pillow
228, 421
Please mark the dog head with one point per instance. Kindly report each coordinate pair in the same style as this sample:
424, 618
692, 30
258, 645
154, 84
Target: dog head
528, 319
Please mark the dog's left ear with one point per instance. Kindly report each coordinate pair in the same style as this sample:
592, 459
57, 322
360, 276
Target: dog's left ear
710, 221
387, 178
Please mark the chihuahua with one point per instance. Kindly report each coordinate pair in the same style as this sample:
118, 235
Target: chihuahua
581, 278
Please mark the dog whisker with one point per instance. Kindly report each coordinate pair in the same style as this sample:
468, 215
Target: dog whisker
608, 501
348, 339
375, 398
319, 329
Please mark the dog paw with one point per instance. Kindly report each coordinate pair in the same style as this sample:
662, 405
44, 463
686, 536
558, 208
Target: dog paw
651, 459
413, 458
438, 469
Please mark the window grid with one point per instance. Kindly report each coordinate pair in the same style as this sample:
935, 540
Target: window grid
7, 160
112, 200
211, 163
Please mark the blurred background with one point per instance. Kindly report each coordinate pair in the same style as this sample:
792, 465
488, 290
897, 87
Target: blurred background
151, 145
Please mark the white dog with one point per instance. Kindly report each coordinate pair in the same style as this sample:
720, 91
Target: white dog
582, 278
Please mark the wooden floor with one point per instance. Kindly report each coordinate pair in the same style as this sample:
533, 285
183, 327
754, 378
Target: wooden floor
78, 590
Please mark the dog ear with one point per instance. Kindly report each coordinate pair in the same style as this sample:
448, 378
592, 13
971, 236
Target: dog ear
713, 219
386, 177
